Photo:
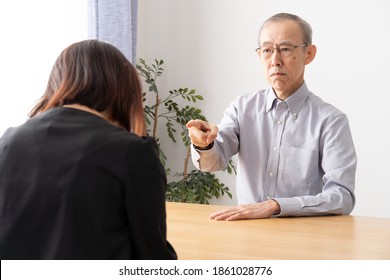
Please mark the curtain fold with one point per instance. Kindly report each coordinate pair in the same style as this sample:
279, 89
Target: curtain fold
114, 21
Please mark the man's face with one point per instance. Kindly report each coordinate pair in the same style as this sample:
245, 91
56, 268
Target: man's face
284, 67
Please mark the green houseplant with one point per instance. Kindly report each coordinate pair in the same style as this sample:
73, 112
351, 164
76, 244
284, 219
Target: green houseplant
193, 186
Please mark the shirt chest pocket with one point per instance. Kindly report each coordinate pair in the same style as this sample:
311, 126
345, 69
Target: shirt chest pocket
300, 170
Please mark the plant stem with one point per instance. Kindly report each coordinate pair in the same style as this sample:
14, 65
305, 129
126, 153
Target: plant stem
186, 160
156, 116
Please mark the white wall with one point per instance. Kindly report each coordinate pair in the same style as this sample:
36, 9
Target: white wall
33, 33
209, 45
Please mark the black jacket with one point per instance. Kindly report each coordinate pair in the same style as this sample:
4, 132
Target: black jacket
73, 186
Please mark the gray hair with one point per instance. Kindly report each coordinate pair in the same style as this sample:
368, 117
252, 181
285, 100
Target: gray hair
305, 27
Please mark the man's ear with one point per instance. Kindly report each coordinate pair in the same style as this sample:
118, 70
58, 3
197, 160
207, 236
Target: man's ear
311, 54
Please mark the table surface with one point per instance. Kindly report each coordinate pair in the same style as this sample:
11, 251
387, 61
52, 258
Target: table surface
196, 237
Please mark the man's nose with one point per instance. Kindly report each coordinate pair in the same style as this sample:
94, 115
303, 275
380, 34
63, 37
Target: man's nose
276, 58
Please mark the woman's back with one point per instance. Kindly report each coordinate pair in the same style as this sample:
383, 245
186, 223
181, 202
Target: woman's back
74, 186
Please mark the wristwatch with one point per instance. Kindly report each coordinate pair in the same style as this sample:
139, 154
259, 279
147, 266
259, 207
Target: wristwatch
205, 148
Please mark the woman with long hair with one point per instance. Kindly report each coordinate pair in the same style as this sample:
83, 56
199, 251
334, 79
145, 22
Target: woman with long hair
79, 179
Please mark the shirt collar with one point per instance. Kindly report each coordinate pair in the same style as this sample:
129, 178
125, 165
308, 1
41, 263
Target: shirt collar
271, 99
294, 102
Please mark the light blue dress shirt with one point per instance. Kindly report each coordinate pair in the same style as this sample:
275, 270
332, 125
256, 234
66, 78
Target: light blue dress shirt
298, 152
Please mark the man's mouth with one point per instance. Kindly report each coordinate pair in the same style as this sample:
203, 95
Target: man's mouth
277, 74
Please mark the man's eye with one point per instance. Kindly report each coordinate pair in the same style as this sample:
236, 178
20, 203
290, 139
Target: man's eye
266, 50
285, 50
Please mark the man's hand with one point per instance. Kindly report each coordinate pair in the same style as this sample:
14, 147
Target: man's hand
261, 210
201, 133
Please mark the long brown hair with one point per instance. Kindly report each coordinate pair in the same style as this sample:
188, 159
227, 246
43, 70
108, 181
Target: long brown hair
96, 74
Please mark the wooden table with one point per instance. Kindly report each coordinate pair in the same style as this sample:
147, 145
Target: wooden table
195, 236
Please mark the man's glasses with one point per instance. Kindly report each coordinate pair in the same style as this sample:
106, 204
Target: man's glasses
284, 50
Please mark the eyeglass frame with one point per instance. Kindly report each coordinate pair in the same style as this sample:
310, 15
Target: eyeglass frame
278, 48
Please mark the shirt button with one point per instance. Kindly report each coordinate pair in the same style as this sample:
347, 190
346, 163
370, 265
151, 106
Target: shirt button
271, 174
268, 197
279, 122
275, 148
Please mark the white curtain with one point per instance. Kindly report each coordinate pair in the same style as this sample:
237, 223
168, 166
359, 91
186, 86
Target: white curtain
114, 21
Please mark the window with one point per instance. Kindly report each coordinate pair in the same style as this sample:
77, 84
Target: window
33, 34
